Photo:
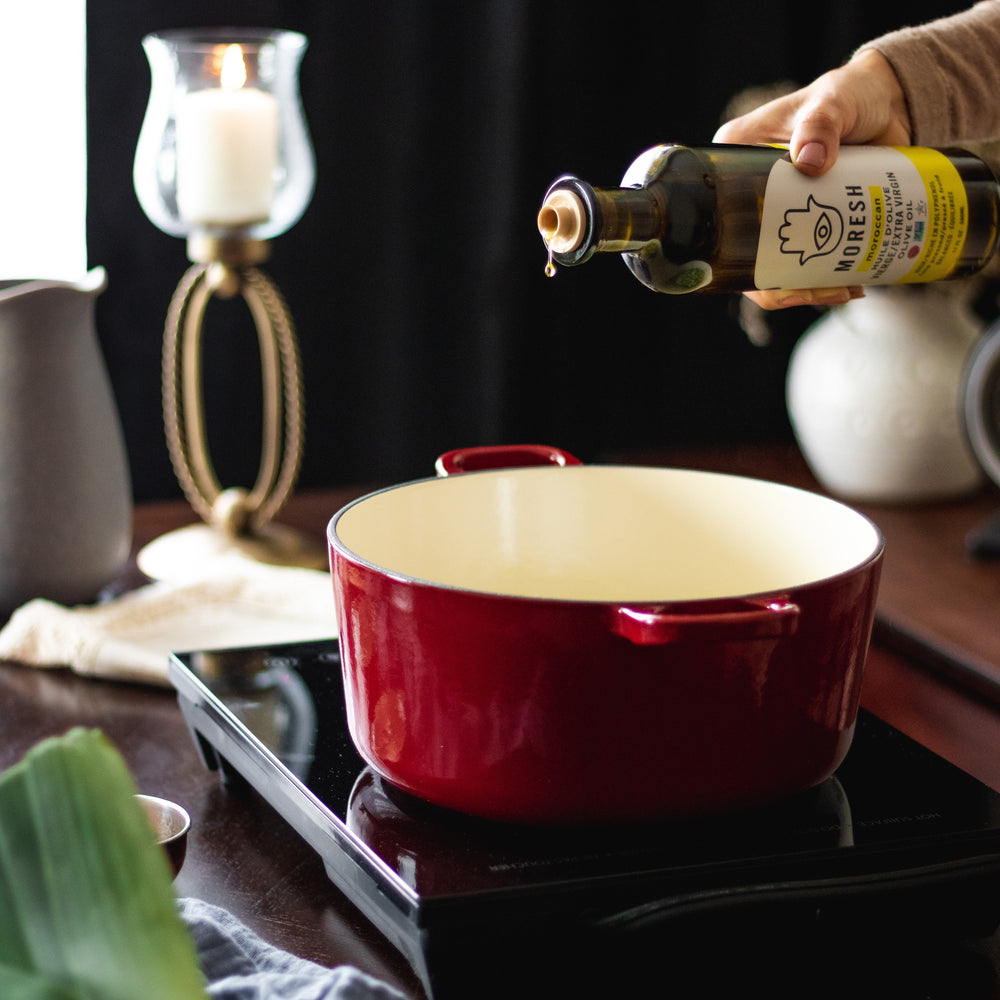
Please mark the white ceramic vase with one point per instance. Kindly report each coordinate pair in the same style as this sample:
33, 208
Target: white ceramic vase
874, 396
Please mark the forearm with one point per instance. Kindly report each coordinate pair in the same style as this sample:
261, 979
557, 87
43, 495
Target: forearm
949, 71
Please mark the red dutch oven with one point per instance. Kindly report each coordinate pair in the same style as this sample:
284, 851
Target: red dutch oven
567, 643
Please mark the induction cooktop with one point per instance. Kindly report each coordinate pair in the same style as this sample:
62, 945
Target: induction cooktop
897, 839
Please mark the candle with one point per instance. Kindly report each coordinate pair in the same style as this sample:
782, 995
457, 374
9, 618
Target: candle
227, 149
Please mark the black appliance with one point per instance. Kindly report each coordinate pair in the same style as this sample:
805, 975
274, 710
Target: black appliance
897, 849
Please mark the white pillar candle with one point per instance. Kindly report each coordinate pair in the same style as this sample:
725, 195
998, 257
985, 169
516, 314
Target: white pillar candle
227, 150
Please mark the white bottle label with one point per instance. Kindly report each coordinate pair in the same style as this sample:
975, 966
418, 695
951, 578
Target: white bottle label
881, 215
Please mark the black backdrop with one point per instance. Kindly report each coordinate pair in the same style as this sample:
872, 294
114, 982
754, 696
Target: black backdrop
416, 277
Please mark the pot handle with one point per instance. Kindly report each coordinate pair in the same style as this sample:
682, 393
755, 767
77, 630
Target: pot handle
501, 456
730, 621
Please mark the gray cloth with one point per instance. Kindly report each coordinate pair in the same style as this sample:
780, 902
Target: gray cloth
239, 965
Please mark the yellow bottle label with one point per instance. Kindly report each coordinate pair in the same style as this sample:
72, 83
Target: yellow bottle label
879, 216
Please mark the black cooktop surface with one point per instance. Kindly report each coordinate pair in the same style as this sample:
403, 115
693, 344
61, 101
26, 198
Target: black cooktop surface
897, 838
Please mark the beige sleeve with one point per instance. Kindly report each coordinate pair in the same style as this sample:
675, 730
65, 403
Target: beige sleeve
949, 70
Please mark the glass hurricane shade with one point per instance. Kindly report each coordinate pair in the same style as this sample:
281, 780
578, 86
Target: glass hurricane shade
224, 148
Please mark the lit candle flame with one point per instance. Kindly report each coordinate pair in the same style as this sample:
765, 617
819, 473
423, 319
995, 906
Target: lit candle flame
234, 70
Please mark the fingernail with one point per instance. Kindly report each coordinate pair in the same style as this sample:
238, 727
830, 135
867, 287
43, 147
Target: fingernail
813, 297
836, 297
788, 300
812, 154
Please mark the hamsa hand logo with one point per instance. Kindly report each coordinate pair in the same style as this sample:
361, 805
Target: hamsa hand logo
813, 231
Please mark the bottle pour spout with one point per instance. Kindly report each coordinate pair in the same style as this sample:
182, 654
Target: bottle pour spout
562, 221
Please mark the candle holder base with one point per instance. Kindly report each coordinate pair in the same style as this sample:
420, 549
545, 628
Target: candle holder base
237, 521
193, 551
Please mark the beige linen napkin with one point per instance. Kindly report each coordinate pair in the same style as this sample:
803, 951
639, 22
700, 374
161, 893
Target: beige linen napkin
238, 603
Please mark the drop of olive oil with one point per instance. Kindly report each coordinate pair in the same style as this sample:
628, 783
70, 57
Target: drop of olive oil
550, 267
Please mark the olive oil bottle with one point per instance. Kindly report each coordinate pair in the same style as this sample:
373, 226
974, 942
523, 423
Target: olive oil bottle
731, 218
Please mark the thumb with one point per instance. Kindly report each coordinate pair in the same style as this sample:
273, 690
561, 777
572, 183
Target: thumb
815, 142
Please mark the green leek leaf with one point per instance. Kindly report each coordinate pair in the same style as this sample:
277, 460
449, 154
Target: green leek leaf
87, 907
16, 984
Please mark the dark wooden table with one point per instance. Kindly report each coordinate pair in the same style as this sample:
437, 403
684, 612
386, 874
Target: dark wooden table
244, 857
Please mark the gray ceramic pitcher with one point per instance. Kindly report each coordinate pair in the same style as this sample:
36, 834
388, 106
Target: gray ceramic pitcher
65, 491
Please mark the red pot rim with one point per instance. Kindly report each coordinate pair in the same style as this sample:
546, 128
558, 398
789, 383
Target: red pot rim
760, 596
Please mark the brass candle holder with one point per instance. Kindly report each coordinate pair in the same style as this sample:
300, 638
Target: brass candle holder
224, 159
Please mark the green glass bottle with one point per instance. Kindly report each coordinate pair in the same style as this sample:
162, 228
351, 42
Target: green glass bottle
730, 218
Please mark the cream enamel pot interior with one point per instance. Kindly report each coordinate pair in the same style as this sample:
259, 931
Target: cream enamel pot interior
601, 643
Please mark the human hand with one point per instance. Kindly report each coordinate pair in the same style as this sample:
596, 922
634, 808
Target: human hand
860, 102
